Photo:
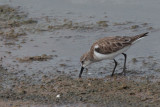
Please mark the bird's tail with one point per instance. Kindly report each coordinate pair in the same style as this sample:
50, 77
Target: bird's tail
138, 37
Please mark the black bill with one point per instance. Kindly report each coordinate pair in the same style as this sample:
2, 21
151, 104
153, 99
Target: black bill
82, 68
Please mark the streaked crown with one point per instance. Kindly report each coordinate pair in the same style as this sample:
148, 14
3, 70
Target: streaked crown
85, 59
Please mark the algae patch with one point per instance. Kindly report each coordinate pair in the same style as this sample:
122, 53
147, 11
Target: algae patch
43, 57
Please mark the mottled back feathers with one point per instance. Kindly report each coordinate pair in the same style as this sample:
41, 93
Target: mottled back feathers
109, 45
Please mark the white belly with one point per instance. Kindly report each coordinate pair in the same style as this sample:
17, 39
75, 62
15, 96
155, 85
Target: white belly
98, 56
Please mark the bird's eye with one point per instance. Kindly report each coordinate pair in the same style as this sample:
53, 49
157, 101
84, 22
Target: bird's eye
82, 62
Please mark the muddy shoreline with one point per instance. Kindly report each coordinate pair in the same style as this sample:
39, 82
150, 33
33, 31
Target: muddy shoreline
35, 70
63, 90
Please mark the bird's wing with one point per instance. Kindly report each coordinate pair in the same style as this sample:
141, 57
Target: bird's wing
109, 45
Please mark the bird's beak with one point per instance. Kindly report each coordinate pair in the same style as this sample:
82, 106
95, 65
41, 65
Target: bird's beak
82, 68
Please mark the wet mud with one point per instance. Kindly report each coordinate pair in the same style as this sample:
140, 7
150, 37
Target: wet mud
64, 89
38, 67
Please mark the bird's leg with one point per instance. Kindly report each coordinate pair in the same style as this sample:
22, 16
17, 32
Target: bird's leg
114, 67
124, 67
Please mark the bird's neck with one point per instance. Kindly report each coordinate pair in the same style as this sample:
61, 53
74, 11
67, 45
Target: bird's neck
91, 55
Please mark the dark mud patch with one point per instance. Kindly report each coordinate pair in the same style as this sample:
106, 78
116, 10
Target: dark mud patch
12, 34
43, 57
79, 26
11, 21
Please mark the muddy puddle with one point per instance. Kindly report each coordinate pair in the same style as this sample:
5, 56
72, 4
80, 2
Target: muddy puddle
40, 51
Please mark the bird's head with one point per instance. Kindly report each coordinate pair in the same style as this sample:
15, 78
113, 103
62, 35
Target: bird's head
85, 60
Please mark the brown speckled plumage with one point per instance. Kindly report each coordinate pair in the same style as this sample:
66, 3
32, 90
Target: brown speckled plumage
109, 45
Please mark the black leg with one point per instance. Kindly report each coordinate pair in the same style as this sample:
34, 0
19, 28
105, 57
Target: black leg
81, 71
124, 67
114, 67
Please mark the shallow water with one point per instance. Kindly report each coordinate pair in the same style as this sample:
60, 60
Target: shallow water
69, 43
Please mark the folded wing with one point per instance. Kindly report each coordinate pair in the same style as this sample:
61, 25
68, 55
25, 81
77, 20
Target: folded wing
109, 45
